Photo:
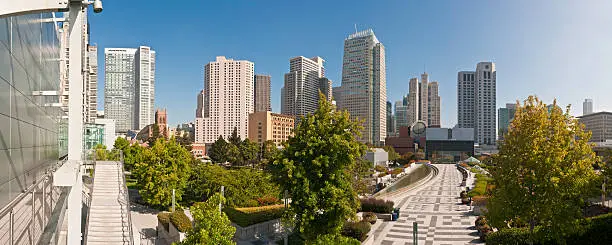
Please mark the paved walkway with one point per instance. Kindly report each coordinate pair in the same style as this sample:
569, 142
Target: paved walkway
436, 207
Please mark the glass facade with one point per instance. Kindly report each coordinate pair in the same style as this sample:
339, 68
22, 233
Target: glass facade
29, 124
94, 134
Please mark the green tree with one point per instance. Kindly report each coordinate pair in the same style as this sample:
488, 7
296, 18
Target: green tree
155, 135
233, 154
101, 154
165, 166
184, 141
132, 154
268, 152
314, 167
242, 186
543, 171
121, 144
248, 152
360, 173
393, 156
234, 138
211, 226
218, 151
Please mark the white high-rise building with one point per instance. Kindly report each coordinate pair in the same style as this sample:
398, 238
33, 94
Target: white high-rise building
145, 87
476, 102
364, 85
90, 69
587, 107
129, 88
302, 86
227, 100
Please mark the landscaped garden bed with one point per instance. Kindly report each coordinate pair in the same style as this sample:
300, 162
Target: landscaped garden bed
249, 216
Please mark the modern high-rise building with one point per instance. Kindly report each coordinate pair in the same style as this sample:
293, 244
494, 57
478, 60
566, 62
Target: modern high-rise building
91, 85
402, 112
364, 84
423, 101
390, 119
433, 106
504, 118
476, 102
227, 100
129, 88
600, 125
587, 107
262, 93
302, 86
90, 69
200, 106
145, 87
325, 87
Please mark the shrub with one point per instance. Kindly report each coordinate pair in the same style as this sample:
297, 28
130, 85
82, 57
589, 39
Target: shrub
180, 221
358, 230
268, 200
249, 216
480, 187
370, 217
164, 219
397, 171
383, 174
376, 205
334, 239
595, 230
380, 168
480, 200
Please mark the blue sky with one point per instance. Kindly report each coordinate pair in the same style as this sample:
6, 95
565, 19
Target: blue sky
553, 49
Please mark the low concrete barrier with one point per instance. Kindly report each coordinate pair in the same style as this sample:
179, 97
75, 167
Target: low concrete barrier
270, 228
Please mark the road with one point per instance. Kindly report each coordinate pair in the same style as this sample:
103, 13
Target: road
437, 209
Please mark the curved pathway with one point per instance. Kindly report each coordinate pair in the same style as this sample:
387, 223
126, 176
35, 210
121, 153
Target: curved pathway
437, 209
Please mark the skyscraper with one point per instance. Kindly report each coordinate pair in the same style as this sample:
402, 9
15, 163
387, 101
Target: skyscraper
390, 119
476, 102
200, 106
433, 105
413, 101
302, 86
129, 88
262, 93
364, 88
587, 107
145, 87
402, 111
227, 100
505, 116
90, 76
423, 101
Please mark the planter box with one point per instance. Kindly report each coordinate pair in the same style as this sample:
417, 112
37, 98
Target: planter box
171, 235
385, 217
270, 228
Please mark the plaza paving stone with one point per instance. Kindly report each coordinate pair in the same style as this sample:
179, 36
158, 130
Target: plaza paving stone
437, 209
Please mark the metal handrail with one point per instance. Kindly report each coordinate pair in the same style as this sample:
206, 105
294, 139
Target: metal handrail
93, 177
125, 194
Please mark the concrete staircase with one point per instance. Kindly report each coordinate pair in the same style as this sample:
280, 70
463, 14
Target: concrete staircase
109, 222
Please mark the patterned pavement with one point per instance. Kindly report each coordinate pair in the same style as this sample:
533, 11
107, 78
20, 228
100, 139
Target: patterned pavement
437, 209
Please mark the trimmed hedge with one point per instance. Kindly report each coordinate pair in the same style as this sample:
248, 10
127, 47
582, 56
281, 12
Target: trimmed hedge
376, 205
249, 216
164, 219
180, 221
480, 188
594, 230
358, 230
334, 239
